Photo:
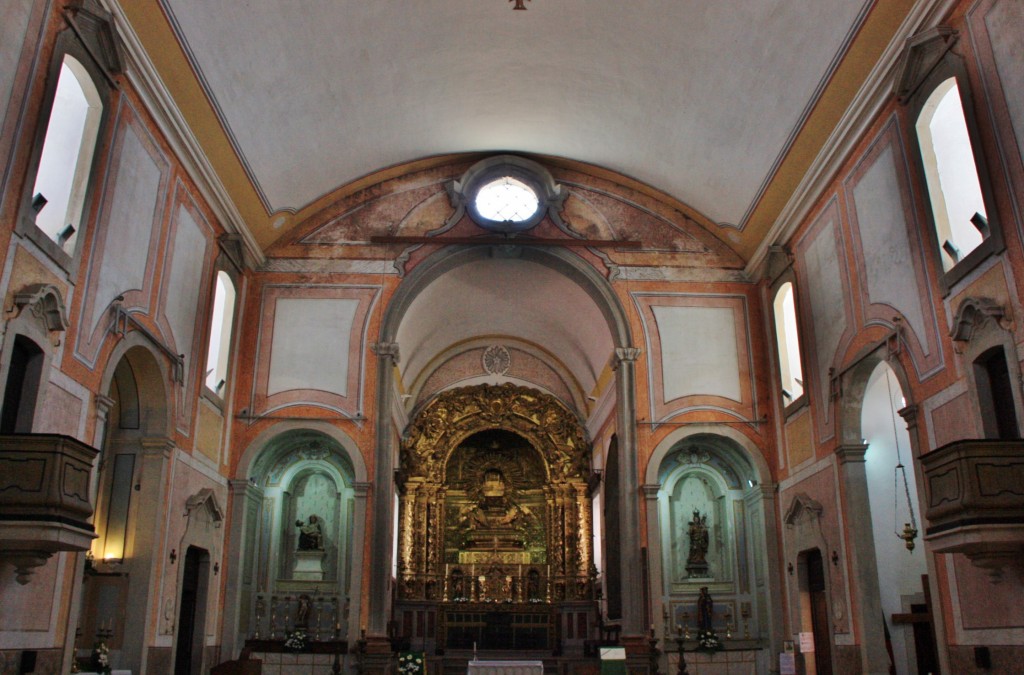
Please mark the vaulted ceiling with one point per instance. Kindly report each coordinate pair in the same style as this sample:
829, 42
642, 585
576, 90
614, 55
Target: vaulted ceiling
721, 106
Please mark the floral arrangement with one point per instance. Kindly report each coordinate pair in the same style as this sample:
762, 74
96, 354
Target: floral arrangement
296, 640
707, 640
101, 658
410, 663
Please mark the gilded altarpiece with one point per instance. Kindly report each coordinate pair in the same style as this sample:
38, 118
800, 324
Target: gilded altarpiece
495, 514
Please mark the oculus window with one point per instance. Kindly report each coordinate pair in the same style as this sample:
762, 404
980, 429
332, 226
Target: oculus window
506, 194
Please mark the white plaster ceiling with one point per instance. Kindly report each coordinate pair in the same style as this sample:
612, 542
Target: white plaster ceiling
505, 298
696, 98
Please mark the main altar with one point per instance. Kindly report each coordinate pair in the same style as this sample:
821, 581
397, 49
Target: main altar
495, 529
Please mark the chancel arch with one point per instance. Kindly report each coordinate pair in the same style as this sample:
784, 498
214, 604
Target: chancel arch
495, 542
586, 348
298, 513
711, 525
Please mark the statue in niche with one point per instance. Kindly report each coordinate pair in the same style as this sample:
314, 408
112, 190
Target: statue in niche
311, 535
697, 562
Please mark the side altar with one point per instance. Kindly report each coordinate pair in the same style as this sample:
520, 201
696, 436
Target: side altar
495, 531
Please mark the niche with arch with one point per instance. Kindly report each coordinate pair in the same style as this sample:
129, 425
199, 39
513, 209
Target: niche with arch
705, 476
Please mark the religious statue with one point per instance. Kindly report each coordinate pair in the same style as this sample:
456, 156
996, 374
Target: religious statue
302, 611
697, 562
311, 535
705, 610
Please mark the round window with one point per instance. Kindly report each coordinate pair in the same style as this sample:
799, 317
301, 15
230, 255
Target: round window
506, 199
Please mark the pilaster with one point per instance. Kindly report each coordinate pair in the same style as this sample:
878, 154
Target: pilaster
868, 606
629, 493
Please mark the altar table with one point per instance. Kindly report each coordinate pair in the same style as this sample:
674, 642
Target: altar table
477, 667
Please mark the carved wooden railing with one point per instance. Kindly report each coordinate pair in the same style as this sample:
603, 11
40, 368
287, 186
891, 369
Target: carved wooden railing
975, 501
44, 498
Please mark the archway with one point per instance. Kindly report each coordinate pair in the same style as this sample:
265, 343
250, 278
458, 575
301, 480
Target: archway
298, 517
494, 523
598, 294
130, 495
866, 387
714, 476
892, 488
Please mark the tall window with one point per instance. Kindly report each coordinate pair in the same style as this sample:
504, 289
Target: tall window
62, 178
958, 208
788, 342
934, 85
220, 334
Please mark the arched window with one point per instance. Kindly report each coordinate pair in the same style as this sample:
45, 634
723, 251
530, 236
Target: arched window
947, 156
788, 342
68, 148
217, 356
933, 83
74, 112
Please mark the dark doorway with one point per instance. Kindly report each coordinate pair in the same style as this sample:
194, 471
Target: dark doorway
995, 394
816, 588
23, 376
188, 652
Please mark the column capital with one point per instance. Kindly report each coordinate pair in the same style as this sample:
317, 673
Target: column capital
241, 487
851, 453
103, 404
386, 350
909, 415
157, 446
626, 355
651, 491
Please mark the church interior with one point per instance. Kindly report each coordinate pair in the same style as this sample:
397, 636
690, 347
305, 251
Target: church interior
607, 337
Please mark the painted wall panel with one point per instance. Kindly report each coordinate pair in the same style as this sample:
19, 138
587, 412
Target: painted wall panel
882, 225
14, 23
310, 344
698, 351
186, 280
828, 304
1004, 23
130, 220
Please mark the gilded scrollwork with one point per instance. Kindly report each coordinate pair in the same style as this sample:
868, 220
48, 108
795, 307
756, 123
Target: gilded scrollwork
493, 479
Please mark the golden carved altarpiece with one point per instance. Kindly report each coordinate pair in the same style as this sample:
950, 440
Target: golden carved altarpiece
494, 502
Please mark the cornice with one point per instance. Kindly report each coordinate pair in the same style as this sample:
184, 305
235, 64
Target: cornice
875, 93
142, 73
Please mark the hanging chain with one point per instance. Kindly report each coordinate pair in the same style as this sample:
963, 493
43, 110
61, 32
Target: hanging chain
909, 532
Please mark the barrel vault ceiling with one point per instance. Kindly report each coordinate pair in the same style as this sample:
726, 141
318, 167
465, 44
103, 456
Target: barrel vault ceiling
721, 106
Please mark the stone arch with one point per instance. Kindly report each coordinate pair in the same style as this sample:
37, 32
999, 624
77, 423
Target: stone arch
269, 465
564, 262
755, 522
149, 378
255, 454
863, 585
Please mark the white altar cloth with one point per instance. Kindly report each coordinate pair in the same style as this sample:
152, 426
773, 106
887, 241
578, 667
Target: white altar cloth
477, 667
